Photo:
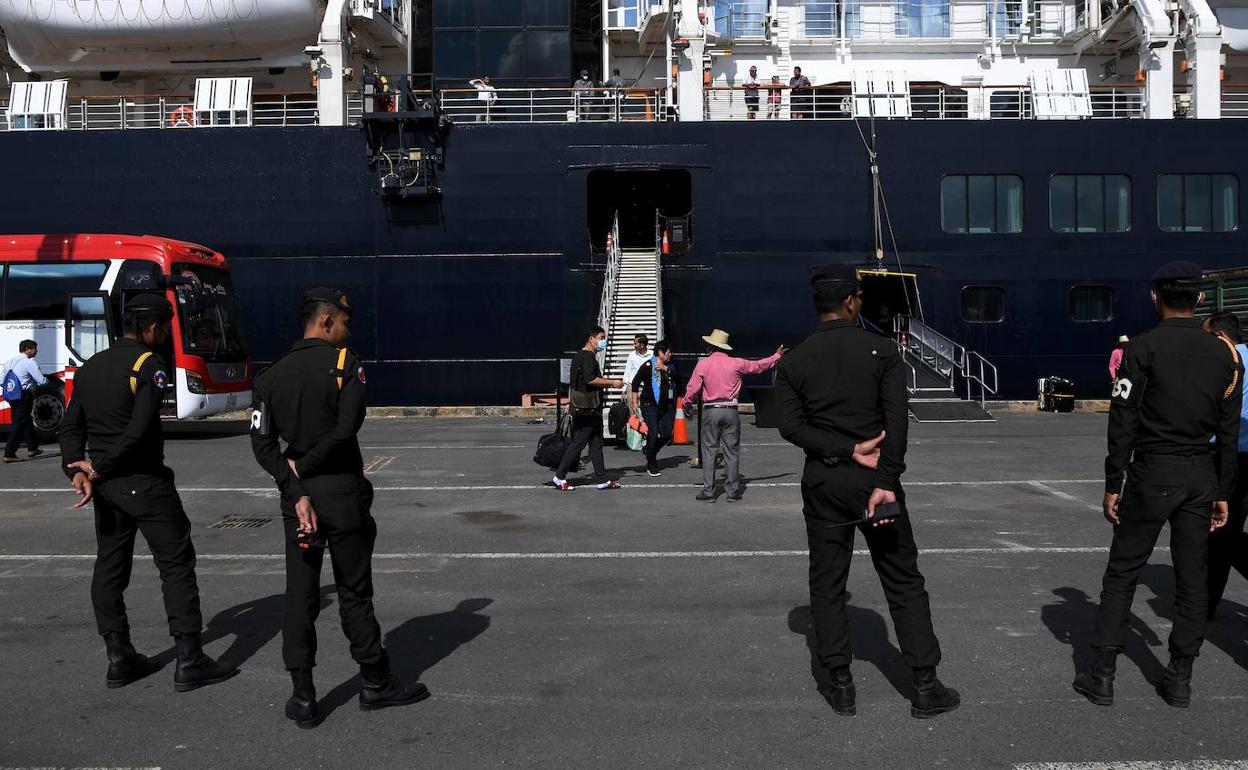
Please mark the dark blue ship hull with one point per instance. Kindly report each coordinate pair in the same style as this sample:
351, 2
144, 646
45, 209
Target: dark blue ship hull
467, 299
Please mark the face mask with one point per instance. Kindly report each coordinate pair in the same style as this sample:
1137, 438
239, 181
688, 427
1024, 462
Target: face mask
602, 345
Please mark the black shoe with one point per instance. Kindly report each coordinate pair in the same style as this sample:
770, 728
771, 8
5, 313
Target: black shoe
703, 497
653, 470
302, 708
840, 694
195, 669
1097, 683
1176, 685
931, 698
125, 665
390, 692
734, 498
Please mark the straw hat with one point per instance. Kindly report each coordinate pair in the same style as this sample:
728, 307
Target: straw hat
1124, 338
718, 339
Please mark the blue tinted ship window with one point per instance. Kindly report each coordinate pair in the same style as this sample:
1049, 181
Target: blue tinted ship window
502, 53
1090, 203
455, 13
1198, 203
548, 51
1091, 303
501, 13
455, 54
981, 203
983, 304
548, 13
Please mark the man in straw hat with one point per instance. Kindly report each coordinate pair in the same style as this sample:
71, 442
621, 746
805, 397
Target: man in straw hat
717, 381
1115, 358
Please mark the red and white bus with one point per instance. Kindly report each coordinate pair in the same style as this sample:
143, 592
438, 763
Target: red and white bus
67, 293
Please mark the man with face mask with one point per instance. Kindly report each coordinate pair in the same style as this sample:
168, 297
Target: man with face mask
114, 415
313, 398
585, 404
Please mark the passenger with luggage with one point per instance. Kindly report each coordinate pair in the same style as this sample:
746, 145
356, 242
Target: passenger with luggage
19, 379
654, 397
586, 385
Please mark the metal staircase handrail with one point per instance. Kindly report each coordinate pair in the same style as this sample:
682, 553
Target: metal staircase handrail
978, 370
610, 281
913, 385
658, 277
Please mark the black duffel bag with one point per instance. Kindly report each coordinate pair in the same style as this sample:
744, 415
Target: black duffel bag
551, 447
617, 418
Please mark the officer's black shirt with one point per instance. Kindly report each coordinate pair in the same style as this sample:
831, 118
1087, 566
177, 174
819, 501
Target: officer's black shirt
121, 429
1178, 387
298, 400
840, 386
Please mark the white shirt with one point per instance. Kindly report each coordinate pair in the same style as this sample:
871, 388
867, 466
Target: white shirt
27, 370
634, 362
486, 90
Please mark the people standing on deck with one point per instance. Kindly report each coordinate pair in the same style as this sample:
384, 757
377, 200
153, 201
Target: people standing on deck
20, 376
716, 382
639, 356
1115, 358
841, 396
486, 97
750, 84
583, 96
775, 97
654, 396
1177, 387
1228, 545
585, 389
800, 98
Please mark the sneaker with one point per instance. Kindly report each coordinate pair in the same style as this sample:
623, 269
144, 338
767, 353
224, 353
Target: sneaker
654, 471
609, 485
12, 459
34, 453
734, 498
561, 485
703, 497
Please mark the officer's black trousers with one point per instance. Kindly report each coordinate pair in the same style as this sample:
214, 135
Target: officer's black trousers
1159, 489
841, 496
342, 504
23, 426
148, 504
1228, 545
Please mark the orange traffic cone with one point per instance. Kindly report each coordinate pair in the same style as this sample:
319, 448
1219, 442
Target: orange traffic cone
667, 246
680, 434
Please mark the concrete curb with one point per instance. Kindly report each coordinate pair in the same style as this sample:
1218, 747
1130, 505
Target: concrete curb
530, 412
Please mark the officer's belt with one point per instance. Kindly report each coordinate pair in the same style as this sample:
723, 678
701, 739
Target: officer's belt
1200, 458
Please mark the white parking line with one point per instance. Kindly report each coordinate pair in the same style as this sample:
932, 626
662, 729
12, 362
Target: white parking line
1194, 764
627, 487
1059, 494
1011, 550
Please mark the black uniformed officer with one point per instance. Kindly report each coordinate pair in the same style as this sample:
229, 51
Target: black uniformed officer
1178, 387
313, 398
114, 415
841, 396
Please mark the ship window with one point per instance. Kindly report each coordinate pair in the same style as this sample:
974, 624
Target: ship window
981, 203
1090, 203
983, 304
1090, 303
1198, 203
502, 53
548, 13
35, 291
455, 54
455, 13
548, 52
501, 13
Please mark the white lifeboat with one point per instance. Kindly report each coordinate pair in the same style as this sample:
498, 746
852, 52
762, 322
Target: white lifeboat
67, 36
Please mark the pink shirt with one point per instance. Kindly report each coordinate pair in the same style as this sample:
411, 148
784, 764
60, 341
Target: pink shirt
717, 379
1115, 361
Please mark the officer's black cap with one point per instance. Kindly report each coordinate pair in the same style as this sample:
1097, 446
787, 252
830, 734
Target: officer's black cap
149, 303
846, 273
1180, 273
328, 296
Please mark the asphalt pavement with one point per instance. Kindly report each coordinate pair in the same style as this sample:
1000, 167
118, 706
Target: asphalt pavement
626, 628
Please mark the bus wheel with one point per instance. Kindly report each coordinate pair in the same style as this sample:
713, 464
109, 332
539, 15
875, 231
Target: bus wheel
46, 413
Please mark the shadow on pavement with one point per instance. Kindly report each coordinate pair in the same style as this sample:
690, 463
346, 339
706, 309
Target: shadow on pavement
869, 641
1071, 621
1225, 633
420, 644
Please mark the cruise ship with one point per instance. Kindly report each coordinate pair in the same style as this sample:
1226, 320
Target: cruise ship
487, 178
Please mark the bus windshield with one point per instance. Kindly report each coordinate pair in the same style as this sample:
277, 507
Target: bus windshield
209, 313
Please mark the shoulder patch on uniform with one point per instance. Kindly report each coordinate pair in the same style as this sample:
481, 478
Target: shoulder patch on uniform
361, 375
160, 379
1128, 392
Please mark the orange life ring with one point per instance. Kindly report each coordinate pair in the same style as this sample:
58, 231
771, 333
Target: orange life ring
182, 117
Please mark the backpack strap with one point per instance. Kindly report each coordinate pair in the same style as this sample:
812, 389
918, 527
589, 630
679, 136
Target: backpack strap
134, 372
340, 371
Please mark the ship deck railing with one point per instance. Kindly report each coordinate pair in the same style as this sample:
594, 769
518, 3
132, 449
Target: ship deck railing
141, 111
551, 105
927, 102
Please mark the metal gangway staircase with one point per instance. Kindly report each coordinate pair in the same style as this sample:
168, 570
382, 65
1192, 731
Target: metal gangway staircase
631, 304
947, 382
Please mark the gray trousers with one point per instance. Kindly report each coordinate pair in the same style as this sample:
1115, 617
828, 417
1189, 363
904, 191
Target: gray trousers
721, 432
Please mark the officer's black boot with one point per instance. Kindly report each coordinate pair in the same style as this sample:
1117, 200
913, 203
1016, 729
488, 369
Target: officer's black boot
840, 694
302, 708
125, 665
931, 698
1097, 683
1176, 685
381, 688
196, 669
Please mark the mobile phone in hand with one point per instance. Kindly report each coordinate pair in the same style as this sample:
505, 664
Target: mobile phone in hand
885, 513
